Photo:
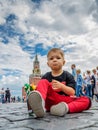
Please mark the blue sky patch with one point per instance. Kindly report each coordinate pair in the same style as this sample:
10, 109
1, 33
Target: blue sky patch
8, 72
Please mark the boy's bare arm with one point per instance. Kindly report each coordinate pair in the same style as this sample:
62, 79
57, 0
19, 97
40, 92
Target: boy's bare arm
58, 86
68, 90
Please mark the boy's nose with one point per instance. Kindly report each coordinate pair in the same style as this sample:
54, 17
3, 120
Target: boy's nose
54, 59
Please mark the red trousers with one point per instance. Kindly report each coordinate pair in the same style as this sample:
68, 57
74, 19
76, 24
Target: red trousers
75, 104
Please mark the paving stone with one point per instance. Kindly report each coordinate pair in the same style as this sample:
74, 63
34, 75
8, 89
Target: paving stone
14, 116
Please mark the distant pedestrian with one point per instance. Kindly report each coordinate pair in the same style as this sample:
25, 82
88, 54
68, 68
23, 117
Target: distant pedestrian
13, 99
89, 84
73, 67
84, 83
2, 95
95, 83
79, 84
7, 95
93, 80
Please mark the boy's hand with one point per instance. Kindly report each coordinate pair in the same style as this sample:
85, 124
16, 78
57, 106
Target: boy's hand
56, 85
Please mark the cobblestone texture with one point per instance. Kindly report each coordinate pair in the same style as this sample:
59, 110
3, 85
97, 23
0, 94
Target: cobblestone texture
14, 116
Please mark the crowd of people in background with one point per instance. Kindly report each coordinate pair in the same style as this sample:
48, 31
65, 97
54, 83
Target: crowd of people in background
6, 97
86, 83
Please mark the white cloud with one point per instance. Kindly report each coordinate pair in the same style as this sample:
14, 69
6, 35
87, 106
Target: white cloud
13, 57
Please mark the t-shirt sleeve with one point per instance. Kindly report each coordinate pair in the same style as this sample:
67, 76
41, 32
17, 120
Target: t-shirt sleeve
47, 76
44, 76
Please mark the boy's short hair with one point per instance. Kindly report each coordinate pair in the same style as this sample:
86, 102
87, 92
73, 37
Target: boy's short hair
56, 50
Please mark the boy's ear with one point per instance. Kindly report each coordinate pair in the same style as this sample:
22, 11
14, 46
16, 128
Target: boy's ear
64, 62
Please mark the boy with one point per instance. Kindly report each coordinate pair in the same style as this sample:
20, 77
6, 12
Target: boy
55, 91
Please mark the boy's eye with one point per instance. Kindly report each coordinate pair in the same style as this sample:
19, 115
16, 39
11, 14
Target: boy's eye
51, 58
58, 57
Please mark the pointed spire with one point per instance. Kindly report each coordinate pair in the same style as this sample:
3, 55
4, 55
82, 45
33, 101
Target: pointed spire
36, 58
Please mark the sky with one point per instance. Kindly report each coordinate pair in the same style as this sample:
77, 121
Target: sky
30, 27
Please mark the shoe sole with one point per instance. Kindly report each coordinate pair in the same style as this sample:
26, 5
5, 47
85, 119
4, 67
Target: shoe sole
35, 101
60, 109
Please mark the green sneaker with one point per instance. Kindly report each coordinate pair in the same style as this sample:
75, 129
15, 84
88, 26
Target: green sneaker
60, 109
36, 103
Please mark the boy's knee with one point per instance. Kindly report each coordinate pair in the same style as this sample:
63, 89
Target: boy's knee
44, 81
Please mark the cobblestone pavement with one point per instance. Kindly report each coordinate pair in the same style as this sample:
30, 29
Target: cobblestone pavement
14, 116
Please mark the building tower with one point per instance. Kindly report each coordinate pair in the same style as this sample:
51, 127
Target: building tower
36, 72
34, 77
36, 67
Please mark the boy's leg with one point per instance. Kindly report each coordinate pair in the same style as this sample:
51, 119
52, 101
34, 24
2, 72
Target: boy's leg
60, 109
42, 92
75, 104
42, 87
52, 98
36, 99
36, 103
79, 104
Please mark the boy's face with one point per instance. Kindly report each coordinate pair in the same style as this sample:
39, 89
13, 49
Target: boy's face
55, 61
